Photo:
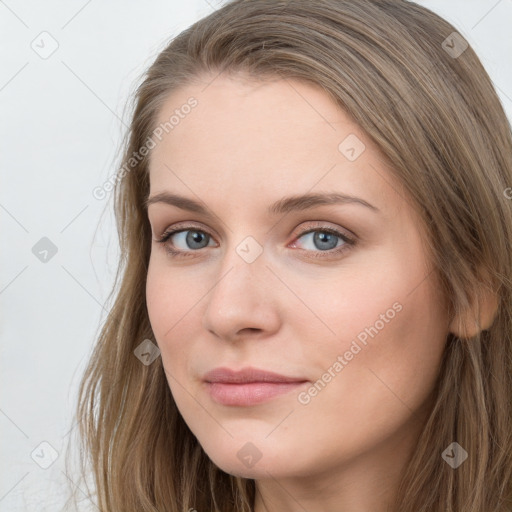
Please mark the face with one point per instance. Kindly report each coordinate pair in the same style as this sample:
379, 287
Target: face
297, 336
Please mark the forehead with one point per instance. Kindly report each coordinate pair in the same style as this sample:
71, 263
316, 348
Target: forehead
248, 137
232, 110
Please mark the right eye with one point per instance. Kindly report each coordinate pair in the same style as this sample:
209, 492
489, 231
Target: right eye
191, 240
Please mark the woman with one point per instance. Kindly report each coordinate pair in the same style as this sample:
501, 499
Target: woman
314, 310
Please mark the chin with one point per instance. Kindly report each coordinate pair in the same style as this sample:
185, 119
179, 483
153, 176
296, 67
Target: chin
252, 460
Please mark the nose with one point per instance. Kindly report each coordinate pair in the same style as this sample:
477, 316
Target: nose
243, 301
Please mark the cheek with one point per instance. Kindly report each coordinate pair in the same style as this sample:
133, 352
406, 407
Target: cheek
158, 301
171, 297
379, 385
175, 300
170, 304
356, 304
381, 336
386, 353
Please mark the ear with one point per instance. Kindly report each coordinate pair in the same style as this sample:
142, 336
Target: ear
479, 315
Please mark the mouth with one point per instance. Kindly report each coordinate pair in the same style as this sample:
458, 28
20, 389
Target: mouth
249, 386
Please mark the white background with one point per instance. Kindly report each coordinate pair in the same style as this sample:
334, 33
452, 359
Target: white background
60, 129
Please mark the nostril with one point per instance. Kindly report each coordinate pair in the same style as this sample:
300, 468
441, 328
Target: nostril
252, 329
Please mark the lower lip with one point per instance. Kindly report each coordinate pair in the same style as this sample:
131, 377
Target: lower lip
250, 393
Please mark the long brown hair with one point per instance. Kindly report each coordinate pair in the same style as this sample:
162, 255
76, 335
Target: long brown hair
425, 99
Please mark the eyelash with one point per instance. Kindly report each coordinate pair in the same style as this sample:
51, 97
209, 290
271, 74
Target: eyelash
349, 242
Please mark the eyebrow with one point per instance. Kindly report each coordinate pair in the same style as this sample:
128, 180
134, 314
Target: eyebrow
284, 205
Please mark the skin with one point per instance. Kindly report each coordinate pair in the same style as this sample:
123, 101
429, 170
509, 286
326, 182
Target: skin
245, 145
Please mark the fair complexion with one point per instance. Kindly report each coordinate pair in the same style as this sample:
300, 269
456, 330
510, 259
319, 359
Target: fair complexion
297, 308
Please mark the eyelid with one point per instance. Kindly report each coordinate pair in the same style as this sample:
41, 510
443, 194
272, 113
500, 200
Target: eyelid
322, 226
184, 226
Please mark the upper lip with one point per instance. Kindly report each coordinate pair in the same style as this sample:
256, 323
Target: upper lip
246, 375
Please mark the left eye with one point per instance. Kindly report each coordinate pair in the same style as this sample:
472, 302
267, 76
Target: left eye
322, 240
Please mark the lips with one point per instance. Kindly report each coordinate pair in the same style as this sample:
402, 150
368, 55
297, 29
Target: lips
227, 376
249, 386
